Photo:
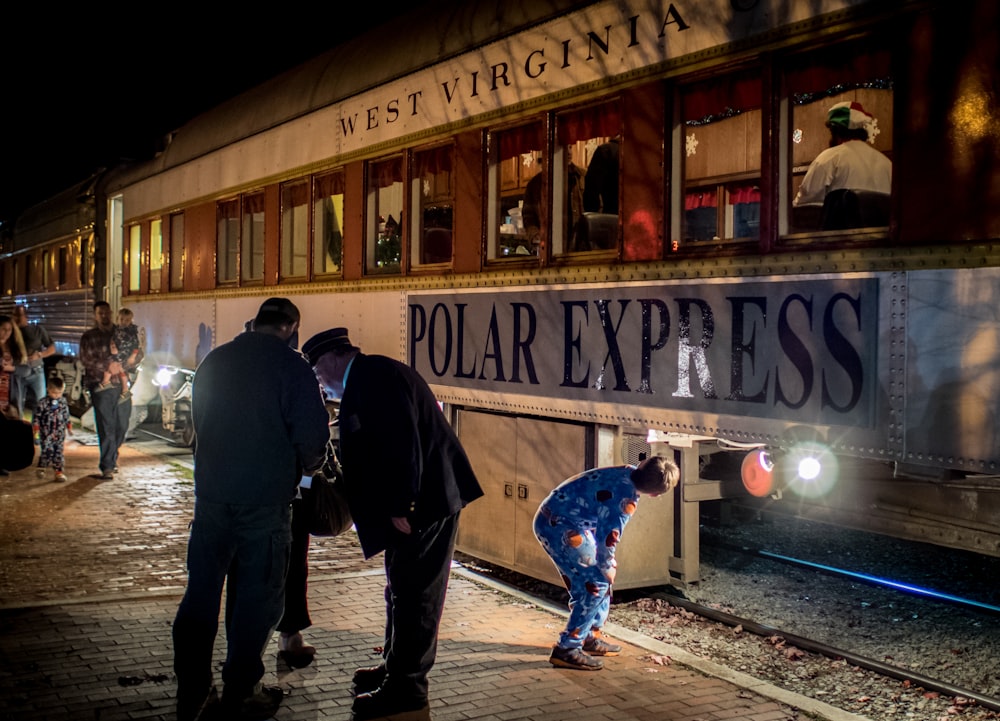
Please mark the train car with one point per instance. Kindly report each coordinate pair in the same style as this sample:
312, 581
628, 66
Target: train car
587, 225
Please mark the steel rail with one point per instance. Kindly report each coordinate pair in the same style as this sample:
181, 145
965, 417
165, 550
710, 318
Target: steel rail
864, 577
831, 651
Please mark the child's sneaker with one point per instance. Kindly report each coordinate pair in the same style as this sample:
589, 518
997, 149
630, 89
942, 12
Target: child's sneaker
574, 658
597, 646
60, 477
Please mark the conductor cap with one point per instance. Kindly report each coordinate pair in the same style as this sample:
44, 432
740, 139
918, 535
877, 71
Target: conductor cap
328, 340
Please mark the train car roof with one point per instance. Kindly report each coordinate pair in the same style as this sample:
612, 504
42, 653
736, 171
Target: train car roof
432, 31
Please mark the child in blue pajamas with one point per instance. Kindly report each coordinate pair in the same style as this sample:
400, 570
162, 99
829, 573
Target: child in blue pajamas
579, 525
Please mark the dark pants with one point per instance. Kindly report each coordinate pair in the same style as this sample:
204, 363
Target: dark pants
246, 548
417, 568
296, 615
111, 418
30, 378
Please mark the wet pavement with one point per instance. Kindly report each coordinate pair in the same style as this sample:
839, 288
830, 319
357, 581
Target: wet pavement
91, 572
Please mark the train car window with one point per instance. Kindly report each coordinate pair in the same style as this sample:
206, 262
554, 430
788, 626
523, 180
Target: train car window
586, 167
227, 238
252, 238
432, 197
86, 254
517, 213
840, 173
721, 152
384, 249
155, 255
133, 259
175, 260
328, 223
46, 270
63, 267
294, 238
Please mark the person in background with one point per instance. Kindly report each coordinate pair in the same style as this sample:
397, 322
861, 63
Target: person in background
52, 421
111, 414
579, 525
38, 345
12, 353
407, 478
260, 424
600, 185
850, 162
126, 348
295, 618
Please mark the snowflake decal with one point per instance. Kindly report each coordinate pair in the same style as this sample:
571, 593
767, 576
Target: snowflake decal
690, 145
427, 187
527, 159
797, 135
873, 130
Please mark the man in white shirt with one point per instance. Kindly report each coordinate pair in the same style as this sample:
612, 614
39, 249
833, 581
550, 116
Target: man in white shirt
850, 161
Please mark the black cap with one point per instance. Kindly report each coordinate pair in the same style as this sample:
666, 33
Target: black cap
275, 312
324, 342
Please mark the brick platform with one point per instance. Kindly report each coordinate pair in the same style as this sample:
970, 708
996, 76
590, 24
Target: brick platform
91, 573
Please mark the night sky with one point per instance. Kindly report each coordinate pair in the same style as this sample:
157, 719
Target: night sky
79, 94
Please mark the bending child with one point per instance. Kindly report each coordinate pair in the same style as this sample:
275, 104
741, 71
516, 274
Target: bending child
579, 526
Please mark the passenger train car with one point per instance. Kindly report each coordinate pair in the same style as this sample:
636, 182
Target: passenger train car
578, 221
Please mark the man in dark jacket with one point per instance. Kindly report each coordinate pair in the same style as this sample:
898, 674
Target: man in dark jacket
260, 423
111, 412
407, 478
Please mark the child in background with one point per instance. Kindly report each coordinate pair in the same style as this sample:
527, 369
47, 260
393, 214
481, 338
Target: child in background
126, 348
52, 421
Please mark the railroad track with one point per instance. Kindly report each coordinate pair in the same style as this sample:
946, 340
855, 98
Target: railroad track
872, 612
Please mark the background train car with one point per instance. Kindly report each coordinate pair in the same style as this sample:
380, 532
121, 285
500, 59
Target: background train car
577, 221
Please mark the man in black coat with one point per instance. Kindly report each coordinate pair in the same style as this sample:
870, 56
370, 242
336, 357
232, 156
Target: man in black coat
407, 478
260, 424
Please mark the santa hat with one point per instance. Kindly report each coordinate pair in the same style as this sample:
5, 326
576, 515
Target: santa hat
849, 115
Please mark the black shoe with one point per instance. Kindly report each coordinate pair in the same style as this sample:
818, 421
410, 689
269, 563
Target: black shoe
367, 680
262, 704
381, 703
192, 704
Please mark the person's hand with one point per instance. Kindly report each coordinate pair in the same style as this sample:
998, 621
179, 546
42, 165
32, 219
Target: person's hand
402, 525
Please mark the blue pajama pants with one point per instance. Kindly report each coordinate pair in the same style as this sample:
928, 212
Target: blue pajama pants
574, 553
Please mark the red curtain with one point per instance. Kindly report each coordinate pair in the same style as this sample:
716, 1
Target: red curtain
849, 65
744, 194
600, 121
387, 172
737, 92
294, 194
329, 184
701, 199
432, 162
253, 203
524, 139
